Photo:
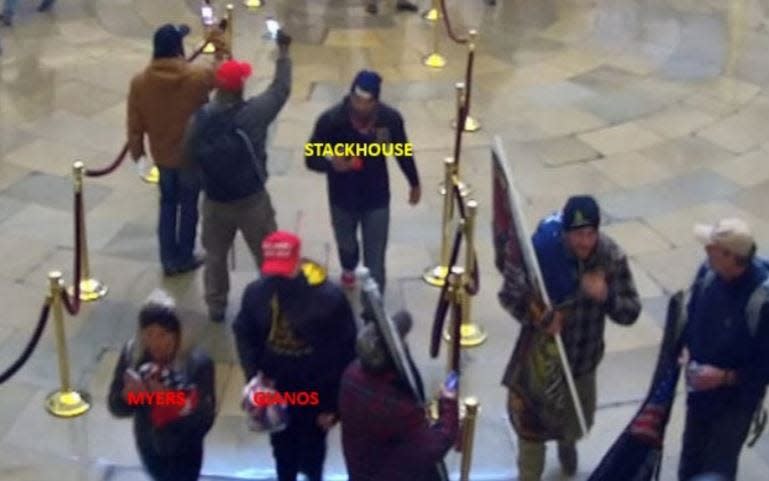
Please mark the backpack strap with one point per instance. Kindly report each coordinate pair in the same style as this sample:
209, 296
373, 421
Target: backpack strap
261, 172
756, 301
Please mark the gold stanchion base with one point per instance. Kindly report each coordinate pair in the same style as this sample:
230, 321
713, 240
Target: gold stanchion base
471, 125
471, 335
464, 189
209, 49
436, 276
431, 15
153, 177
434, 60
433, 414
67, 404
252, 4
90, 290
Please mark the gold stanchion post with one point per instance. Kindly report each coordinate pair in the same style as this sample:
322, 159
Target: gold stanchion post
434, 13
90, 289
230, 32
65, 402
207, 26
468, 437
464, 189
436, 276
434, 59
252, 4
472, 334
471, 124
453, 293
456, 295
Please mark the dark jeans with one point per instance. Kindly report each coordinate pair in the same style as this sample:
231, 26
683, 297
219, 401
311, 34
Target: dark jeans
183, 467
301, 447
375, 224
178, 219
712, 443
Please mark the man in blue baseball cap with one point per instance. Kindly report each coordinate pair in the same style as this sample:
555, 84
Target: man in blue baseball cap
358, 185
161, 100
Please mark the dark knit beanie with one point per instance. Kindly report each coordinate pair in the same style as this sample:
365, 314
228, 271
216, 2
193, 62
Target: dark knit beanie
581, 211
168, 41
367, 83
160, 310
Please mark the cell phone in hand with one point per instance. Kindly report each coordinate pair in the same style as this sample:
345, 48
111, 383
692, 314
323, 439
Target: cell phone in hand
273, 27
207, 15
451, 382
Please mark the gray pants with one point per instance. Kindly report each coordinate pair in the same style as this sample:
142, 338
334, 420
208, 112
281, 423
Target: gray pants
374, 224
531, 455
254, 217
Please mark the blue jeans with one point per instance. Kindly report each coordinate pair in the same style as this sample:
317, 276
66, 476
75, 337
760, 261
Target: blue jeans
178, 219
375, 224
712, 443
9, 7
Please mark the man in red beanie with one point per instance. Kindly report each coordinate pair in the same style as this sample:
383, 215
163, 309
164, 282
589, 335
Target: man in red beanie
226, 141
299, 333
160, 102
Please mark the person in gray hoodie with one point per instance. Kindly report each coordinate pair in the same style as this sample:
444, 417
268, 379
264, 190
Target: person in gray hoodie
226, 142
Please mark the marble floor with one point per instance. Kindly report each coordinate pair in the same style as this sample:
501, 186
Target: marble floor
657, 107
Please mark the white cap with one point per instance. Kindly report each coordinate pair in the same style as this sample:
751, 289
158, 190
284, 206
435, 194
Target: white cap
731, 234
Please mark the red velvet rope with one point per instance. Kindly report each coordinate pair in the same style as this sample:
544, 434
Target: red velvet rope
449, 29
111, 167
72, 304
31, 345
469, 81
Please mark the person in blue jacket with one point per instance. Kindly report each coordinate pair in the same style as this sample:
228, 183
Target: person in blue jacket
726, 351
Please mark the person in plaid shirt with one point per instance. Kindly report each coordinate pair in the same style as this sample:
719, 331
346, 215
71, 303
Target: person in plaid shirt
385, 432
587, 278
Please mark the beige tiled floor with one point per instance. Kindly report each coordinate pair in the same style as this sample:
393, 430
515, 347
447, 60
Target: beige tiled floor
614, 98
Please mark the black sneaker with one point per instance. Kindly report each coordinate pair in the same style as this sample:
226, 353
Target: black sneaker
406, 7
567, 455
372, 8
6, 20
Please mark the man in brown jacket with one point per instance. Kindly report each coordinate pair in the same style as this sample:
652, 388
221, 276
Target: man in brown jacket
160, 102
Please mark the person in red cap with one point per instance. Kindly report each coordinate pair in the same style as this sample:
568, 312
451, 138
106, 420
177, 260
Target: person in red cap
298, 333
160, 102
226, 141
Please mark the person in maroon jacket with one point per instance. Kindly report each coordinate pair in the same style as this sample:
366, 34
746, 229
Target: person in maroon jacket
385, 433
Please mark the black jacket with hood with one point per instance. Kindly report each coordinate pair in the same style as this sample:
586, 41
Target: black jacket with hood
322, 332
179, 436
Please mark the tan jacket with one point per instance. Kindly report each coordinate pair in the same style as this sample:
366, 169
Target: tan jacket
160, 103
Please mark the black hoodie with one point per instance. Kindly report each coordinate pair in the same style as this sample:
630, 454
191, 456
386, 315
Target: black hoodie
368, 188
303, 345
179, 436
